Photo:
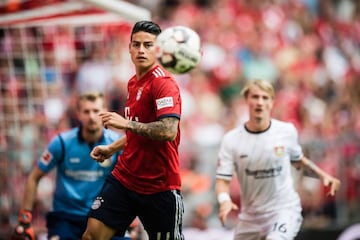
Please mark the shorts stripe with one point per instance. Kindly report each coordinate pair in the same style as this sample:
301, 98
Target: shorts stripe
178, 215
158, 236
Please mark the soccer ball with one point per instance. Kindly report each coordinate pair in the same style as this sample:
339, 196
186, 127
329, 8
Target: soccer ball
178, 49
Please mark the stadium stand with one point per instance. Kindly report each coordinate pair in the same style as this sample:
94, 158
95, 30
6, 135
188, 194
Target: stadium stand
309, 49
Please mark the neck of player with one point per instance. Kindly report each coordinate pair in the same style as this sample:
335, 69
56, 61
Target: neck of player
258, 124
91, 136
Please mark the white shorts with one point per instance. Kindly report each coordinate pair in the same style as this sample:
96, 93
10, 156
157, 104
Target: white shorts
278, 225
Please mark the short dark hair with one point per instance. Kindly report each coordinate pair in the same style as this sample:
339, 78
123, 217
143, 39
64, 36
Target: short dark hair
146, 26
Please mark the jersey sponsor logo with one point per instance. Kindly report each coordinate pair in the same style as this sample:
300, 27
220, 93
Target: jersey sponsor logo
138, 94
164, 102
46, 157
97, 203
279, 151
264, 173
86, 176
74, 160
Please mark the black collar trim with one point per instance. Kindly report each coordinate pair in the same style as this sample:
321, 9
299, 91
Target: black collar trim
257, 132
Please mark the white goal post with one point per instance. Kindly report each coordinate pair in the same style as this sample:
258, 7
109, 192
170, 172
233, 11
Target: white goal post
127, 10
113, 9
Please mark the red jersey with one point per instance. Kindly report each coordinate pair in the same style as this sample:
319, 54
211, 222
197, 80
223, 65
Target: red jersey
149, 166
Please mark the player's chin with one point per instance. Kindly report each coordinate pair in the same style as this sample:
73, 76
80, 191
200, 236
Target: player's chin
259, 117
145, 63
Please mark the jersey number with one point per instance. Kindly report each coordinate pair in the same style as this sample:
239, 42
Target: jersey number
280, 227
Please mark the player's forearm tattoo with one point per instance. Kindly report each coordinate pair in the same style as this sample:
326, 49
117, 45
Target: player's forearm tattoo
163, 130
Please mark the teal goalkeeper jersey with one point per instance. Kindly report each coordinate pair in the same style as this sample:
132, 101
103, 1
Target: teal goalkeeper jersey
79, 178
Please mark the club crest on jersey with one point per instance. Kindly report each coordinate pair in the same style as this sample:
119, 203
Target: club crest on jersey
97, 203
46, 157
279, 151
138, 95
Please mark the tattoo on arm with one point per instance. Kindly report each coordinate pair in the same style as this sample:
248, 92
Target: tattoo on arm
163, 130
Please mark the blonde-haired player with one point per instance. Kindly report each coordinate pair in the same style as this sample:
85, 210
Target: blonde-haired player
260, 152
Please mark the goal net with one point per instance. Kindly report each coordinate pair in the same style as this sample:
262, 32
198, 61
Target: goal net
42, 45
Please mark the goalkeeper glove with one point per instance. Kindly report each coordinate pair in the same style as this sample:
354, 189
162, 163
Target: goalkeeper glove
24, 231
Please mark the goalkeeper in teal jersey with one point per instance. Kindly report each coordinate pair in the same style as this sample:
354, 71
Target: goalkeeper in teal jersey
78, 178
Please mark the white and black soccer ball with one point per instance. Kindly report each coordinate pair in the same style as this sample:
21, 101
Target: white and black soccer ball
178, 49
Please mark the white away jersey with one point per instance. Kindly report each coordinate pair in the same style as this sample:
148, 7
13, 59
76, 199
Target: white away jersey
262, 163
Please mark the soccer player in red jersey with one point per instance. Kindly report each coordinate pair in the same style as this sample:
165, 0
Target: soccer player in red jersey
146, 179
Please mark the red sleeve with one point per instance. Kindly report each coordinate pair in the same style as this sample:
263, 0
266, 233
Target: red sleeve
167, 97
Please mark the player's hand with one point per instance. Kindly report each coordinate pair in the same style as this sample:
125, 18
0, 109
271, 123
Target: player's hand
331, 182
224, 209
24, 231
112, 119
101, 153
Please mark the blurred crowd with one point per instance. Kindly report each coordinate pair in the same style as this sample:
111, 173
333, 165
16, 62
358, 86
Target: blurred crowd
309, 50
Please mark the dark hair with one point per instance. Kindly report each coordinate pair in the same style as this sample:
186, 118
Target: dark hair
146, 26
